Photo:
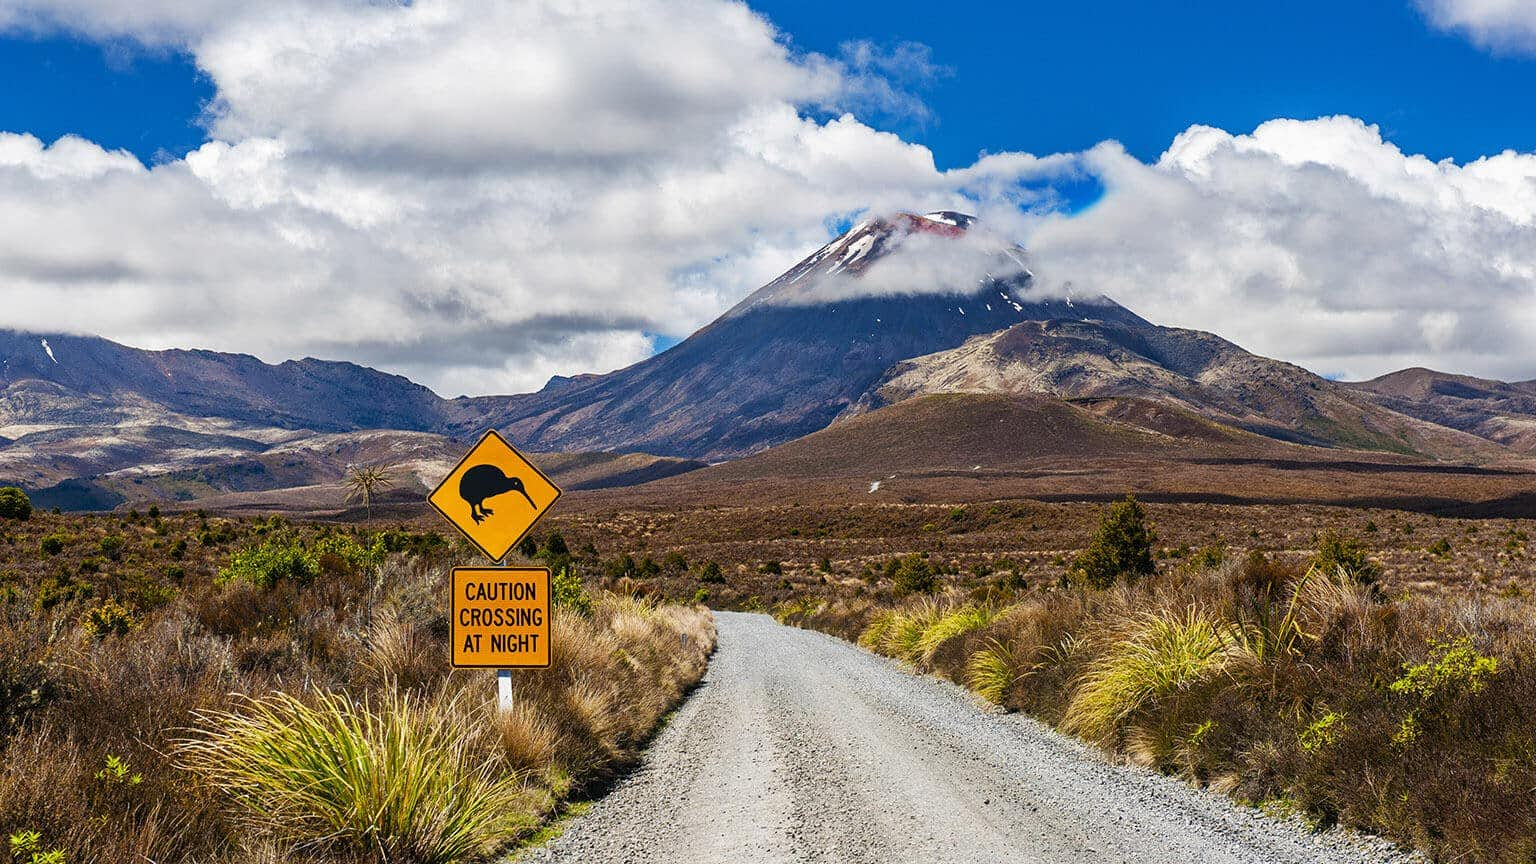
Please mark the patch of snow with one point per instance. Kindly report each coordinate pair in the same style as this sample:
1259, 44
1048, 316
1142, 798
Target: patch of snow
940, 217
962, 309
858, 249
874, 486
975, 467
49, 349
989, 307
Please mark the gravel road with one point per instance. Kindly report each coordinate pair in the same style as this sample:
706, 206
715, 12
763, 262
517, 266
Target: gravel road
798, 747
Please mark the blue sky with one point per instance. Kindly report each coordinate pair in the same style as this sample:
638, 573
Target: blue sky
1039, 77
481, 194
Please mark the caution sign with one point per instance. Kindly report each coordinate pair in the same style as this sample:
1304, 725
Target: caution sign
494, 495
500, 617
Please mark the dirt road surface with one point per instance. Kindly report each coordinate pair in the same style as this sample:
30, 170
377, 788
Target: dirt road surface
798, 747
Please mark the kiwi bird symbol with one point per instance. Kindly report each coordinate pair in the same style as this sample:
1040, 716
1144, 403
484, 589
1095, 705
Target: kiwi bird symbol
487, 481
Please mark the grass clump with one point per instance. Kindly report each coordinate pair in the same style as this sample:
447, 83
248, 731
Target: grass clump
1160, 656
991, 672
392, 781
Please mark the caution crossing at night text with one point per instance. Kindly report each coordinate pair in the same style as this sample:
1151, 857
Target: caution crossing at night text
500, 617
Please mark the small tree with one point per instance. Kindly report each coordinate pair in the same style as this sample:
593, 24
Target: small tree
1122, 546
363, 483
1339, 554
914, 575
14, 504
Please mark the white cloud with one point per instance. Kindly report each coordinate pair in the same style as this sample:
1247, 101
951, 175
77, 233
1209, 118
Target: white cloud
1499, 25
480, 194
1316, 242
547, 181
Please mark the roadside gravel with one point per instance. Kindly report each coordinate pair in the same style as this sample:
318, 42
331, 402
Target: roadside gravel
798, 747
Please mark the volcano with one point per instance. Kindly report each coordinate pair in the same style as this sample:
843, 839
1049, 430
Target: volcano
800, 352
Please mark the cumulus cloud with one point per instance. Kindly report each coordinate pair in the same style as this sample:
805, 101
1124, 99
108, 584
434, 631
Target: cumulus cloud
480, 194
1317, 242
549, 180
1499, 25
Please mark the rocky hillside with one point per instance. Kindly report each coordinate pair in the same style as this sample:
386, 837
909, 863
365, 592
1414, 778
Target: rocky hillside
1501, 412
1197, 371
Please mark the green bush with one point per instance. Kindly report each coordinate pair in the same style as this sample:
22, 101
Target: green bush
269, 564
1454, 669
108, 619
27, 848
1339, 554
346, 552
914, 575
711, 573
53, 544
1121, 547
111, 546
14, 504
567, 592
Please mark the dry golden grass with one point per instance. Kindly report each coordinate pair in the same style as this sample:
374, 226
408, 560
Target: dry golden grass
1403, 715
359, 653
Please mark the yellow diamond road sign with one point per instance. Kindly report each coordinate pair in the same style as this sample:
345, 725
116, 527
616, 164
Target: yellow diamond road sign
494, 495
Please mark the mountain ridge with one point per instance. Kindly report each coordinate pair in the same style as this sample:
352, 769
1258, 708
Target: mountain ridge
895, 309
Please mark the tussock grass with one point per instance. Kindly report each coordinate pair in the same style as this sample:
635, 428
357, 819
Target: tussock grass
392, 780
950, 625
357, 744
1158, 656
991, 671
1271, 679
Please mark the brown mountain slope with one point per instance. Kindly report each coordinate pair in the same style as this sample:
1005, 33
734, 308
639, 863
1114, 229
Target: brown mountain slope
1498, 411
973, 447
1196, 371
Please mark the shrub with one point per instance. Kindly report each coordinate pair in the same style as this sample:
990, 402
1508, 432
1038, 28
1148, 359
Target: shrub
27, 848
567, 592
913, 575
53, 544
711, 573
345, 553
111, 546
108, 619
1337, 553
14, 504
554, 546
1452, 670
393, 783
1322, 733
1122, 546
269, 564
